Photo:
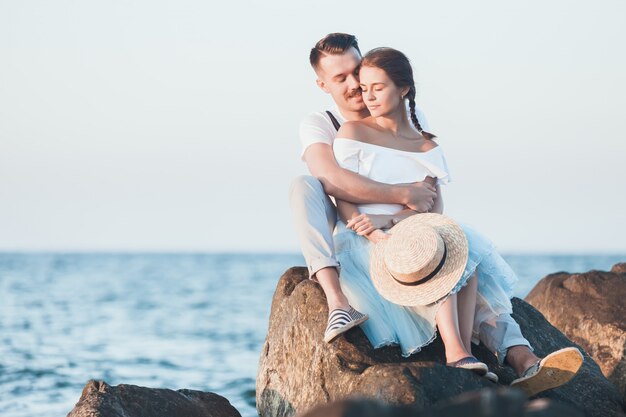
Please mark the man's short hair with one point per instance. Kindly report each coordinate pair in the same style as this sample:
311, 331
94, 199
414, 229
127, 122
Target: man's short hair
332, 44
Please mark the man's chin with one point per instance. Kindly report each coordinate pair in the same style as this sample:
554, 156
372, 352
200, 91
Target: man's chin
356, 104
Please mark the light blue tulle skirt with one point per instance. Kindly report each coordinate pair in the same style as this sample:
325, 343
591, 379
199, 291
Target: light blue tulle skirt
412, 328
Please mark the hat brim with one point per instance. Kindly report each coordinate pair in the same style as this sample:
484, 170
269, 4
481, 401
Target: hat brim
439, 285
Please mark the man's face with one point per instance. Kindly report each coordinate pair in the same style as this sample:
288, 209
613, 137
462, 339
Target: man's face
338, 77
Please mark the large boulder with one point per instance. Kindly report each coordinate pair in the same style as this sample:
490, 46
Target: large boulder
298, 371
590, 309
100, 399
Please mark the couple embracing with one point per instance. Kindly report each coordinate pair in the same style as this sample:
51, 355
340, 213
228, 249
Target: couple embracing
386, 257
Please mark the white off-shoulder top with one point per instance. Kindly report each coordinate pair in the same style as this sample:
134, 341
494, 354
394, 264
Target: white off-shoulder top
389, 166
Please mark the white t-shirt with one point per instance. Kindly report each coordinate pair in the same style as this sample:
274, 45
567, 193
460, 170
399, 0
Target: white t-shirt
318, 128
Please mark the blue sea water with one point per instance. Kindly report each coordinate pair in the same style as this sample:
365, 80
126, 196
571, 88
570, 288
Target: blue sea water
174, 321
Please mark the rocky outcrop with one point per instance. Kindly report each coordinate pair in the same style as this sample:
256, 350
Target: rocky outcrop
502, 402
298, 371
619, 268
590, 308
102, 400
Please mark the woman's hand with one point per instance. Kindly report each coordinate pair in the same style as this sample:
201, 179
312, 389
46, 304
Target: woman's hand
377, 236
364, 224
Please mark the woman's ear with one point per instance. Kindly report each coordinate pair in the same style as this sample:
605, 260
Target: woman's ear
404, 91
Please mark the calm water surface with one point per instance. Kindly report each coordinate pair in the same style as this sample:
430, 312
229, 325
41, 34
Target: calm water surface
193, 321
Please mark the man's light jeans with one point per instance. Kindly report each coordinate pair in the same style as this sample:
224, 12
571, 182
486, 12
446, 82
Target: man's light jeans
315, 215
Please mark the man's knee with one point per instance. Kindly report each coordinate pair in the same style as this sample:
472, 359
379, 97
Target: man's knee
304, 187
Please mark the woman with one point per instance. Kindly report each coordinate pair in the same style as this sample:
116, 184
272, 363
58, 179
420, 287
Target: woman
390, 148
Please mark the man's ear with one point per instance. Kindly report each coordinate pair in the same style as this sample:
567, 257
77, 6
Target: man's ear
321, 84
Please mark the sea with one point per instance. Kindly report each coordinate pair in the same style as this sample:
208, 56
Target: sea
185, 320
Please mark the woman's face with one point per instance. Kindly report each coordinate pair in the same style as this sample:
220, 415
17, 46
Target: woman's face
380, 94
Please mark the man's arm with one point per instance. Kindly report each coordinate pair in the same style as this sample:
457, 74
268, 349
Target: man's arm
352, 187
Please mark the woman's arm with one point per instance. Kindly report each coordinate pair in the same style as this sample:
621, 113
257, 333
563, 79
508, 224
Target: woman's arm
364, 224
368, 225
346, 210
371, 225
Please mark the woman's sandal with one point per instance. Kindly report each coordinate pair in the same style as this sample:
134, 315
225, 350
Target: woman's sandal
471, 364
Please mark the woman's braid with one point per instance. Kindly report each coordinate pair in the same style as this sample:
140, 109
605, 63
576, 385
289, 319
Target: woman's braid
411, 96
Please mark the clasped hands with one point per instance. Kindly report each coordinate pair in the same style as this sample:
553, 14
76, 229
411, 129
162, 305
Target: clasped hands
371, 225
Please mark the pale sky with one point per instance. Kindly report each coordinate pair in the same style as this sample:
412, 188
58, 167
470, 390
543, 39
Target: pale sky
173, 125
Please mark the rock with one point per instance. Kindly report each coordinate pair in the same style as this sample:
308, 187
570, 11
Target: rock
360, 407
590, 309
102, 400
589, 391
619, 268
298, 371
503, 402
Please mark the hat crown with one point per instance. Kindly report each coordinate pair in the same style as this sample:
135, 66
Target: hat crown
414, 255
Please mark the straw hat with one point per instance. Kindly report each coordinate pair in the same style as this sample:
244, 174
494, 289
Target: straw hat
421, 262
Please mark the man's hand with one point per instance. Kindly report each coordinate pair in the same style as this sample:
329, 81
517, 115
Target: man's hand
421, 195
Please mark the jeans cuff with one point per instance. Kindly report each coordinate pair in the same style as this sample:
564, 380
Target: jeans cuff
502, 351
321, 263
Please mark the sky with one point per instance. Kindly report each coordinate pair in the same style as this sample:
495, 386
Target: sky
173, 125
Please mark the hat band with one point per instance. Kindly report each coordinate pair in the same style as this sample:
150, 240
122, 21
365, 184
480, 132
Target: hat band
431, 275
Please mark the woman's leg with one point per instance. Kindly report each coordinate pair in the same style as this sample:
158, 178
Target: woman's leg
448, 324
466, 300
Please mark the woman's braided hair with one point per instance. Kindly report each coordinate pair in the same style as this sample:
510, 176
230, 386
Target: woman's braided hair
397, 67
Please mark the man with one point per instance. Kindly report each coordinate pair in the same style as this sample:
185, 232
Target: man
335, 59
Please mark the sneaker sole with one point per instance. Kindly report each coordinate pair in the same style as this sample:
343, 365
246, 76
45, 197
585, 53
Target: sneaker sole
337, 332
556, 369
478, 368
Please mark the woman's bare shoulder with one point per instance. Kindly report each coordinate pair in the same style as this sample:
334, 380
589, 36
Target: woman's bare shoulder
428, 144
360, 130
351, 130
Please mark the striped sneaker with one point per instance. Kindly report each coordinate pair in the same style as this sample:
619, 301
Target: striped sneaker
340, 321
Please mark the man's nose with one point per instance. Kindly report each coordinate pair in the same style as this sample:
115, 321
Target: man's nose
353, 82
